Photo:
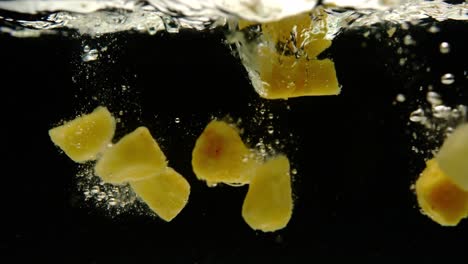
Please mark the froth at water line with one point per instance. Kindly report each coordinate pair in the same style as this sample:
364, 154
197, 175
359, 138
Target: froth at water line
93, 17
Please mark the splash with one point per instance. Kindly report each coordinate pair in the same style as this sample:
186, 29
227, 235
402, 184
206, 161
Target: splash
95, 17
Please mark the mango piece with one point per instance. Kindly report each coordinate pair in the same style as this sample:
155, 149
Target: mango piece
166, 193
286, 63
285, 76
83, 138
315, 45
220, 156
268, 204
135, 157
453, 156
439, 198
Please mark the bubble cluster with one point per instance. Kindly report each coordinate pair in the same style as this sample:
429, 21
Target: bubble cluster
437, 119
116, 199
89, 54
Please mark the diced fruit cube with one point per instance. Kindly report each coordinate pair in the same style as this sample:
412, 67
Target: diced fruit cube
439, 198
135, 157
268, 204
220, 156
83, 138
166, 193
286, 77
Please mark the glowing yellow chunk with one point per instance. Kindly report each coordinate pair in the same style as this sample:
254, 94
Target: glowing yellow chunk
220, 156
439, 197
136, 156
453, 157
86, 136
166, 193
315, 45
283, 63
268, 204
286, 76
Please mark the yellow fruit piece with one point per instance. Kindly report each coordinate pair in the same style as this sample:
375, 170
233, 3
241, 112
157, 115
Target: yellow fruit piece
268, 204
220, 156
135, 157
285, 76
439, 197
315, 45
166, 193
83, 138
453, 156
282, 62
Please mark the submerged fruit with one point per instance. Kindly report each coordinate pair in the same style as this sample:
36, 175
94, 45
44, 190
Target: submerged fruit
283, 62
165, 193
453, 157
268, 204
439, 198
286, 76
135, 157
83, 138
220, 156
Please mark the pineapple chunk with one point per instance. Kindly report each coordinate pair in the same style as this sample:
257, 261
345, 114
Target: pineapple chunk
453, 157
439, 197
135, 157
268, 204
286, 77
285, 64
220, 156
83, 138
166, 193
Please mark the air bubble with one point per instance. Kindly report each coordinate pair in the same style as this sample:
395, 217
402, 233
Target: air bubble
171, 25
400, 98
408, 40
402, 61
447, 79
417, 116
448, 131
444, 47
91, 55
112, 202
442, 111
152, 30
434, 98
433, 29
95, 189
101, 196
177, 120
270, 130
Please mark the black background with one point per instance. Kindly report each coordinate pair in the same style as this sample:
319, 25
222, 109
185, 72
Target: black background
352, 151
